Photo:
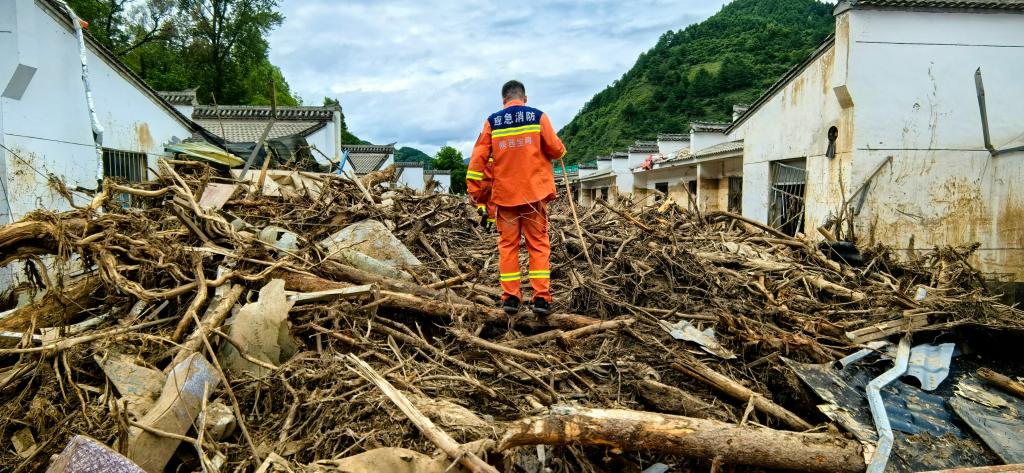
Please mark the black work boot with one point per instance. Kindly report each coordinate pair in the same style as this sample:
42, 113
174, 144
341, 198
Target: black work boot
511, 305
541, 307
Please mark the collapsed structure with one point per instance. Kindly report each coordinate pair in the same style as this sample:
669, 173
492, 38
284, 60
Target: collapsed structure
301, 320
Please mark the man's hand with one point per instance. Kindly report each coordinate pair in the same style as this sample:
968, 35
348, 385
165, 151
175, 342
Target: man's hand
485, 222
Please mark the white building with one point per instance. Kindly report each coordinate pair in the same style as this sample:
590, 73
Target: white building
889, 105
45, 125
364, 159
443, 180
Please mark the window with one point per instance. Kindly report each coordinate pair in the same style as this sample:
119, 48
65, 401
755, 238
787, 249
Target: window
692, 186
786, 198
661, 187
833, 133
124, 166
735, 195
604, 194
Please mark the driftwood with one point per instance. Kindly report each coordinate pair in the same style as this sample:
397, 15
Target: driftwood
739, 392
672, 400
696, 438
426, 426
55, 307
1002, 381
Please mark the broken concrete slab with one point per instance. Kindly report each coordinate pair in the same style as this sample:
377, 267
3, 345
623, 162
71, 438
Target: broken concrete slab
262, 328
138, 385
86, 455
375, 242
175, 412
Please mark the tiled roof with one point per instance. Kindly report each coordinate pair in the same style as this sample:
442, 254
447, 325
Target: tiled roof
620, 155
598, 175
719, 149
673, 137
590, 165
259, 112
386, 149
437, 172
604, 158
366, 163
955, 4
249, 131
409, 164
644, 147
369, 158
740, 107
179, 97
709, 126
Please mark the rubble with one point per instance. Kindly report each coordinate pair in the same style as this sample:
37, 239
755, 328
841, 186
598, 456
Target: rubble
170, 274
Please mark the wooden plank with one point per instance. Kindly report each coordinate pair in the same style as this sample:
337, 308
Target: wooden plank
884, 329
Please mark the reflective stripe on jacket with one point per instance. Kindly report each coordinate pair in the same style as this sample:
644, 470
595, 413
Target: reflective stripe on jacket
522, 143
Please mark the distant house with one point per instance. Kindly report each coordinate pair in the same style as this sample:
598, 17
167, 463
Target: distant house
364, 159
45, 124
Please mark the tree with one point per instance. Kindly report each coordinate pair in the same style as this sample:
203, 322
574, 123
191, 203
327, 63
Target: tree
450, 159
217, 46
228, 38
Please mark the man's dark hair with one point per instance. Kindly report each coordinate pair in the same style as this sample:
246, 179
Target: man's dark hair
513, 87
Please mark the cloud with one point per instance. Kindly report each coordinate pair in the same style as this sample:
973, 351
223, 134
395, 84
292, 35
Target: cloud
426, 73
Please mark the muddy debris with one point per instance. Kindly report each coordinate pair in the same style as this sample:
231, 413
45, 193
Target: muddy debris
293, 337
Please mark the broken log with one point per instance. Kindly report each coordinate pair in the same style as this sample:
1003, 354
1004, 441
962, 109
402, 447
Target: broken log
359, 276
213, 318
55, 308
672, 400
735, 390
696, 438
1002, 382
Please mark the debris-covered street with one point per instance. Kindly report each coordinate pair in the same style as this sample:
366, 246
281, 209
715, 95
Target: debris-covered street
327, 326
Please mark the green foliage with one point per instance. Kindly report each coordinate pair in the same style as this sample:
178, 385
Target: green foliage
698, 73
407, 154
450, 159
218, 46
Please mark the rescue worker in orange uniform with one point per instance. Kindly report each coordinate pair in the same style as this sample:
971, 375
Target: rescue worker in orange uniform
522, 143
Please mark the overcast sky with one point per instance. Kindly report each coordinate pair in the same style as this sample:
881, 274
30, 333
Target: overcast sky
426, 73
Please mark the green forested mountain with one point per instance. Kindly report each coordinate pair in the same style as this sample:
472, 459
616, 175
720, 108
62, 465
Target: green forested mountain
698, 73
409, 154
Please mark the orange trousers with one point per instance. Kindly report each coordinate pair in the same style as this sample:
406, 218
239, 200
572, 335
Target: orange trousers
514, 223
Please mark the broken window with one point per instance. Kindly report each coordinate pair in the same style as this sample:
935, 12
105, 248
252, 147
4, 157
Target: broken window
786, 198
604, 194
661, 187
735, 194
124, 166
692, 186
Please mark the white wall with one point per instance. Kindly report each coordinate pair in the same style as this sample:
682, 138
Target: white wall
603, 164
794, 124
49, 127
325, 141
943, 188
411, 177
703, 139
669, 148
444, 182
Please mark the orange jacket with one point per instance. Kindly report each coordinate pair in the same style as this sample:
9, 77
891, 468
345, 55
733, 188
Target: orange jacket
523, 144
